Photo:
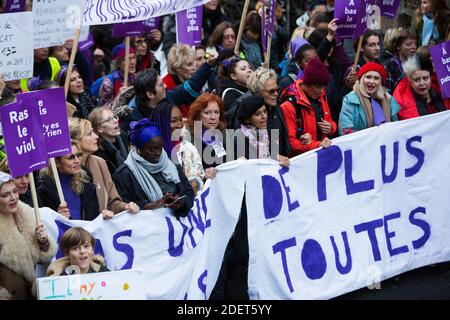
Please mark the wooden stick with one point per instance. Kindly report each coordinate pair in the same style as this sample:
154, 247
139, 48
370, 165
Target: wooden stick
267, 57
34, 197
127, 61
358, 52
71, 61
241, 27
57, 181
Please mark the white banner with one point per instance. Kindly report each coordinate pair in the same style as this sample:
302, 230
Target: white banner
373, 205
56, 21
113, 11
181, 258
16, 51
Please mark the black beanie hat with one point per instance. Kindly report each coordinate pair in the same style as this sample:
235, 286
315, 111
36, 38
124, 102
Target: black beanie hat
248, 106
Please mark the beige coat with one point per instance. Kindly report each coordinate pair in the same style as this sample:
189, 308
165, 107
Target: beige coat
108, 197
20, 252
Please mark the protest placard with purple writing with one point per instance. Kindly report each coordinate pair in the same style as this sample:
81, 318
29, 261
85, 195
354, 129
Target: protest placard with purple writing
14, 6
441, 61
24, 142
389, 7
51, 104
346, 13
189, 26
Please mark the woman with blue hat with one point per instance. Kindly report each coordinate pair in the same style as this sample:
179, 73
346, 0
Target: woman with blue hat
148, 177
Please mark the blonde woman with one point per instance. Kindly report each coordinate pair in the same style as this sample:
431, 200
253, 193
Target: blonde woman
108, 197
79, 194
368, 104
23, 244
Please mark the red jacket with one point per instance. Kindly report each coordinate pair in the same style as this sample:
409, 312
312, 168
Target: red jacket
295, 94
405, 98
170, 83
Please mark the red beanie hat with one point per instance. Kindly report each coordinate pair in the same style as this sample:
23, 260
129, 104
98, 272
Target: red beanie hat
316, 73
372, 66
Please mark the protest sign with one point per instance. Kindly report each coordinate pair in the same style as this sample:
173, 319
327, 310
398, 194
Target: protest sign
14, 6
113, 11
16, 51
389, 7
371, 206
115, 285
56, 21
136, 28
189, 26
86, 44
24, 141
346, 13
368, 16
441, 61
181, 257
51, 104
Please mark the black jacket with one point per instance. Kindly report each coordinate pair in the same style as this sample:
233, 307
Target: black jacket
130, 190
108, 153
49, 198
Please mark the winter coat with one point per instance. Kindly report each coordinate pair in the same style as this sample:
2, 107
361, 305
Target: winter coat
108, 151
86, 103
19, 254
408, 101
130, 190
89, 201
295, 100
57, 267
353, 115
107, 195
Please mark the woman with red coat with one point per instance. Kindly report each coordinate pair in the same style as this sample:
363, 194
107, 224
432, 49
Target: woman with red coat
306, 111
415, 93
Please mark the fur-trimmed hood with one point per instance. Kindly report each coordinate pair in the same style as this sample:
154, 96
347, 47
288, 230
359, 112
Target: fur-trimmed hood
19, 251
57, 267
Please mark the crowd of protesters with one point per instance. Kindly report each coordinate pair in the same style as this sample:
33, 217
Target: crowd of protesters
133, 148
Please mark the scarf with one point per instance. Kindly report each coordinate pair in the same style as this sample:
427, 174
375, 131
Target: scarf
143, 170
120, 153
365, 100
262, 144
429, 30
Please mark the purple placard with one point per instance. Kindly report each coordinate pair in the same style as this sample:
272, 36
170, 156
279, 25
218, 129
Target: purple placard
24, 141
51, 104
346, 13
128, 29
367, 10
263, 28
189, 26
152, 23
86, 44
14, 6
389, 7
441, 61
271, 18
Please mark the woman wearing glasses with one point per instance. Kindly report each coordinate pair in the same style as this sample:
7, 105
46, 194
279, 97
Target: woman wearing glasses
112, 142
80, 195
108, 197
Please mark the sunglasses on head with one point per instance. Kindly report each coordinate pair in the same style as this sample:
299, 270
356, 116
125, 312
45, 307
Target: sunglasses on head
72, 157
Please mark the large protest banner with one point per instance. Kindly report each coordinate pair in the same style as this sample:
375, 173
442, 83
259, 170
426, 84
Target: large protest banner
373, 205
16, 52
113, 11
181, 258
115, 285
